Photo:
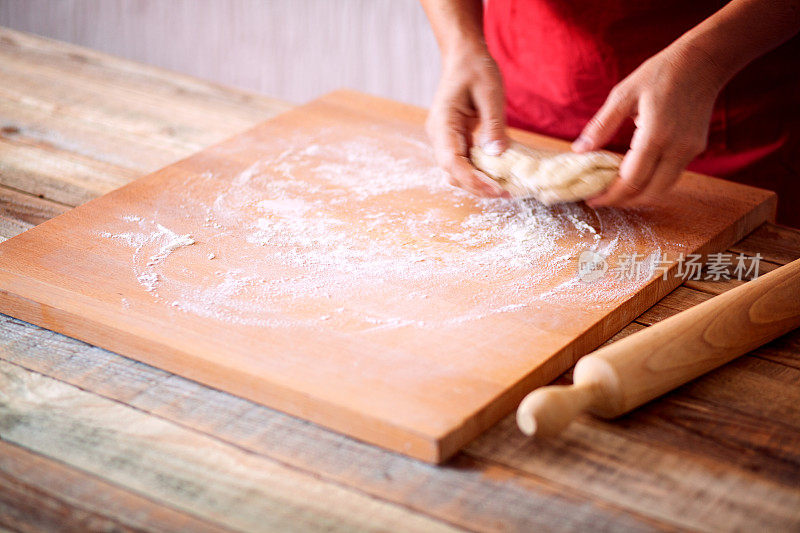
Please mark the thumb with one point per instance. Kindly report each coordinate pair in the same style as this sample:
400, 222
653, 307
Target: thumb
492, 134
604, 124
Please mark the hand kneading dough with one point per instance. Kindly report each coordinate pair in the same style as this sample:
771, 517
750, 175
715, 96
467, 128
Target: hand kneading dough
550, 177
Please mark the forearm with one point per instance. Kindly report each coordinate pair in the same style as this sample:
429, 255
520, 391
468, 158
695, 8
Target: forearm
470, 92
457, 24
740, 32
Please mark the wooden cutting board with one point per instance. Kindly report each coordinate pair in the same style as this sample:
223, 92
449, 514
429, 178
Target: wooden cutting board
318, 264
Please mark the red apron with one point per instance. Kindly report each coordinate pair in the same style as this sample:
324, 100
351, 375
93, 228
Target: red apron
560, 59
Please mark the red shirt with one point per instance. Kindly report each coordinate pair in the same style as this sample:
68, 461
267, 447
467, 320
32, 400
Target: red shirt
559, 61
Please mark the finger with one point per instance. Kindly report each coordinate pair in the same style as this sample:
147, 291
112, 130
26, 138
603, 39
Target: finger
665, 175
450, 144
636, 169
473, 180
635, 174
449, 138
490, 105
450, 151
674, 161
604, 124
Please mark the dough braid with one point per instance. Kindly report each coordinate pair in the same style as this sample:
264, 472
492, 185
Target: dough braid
550, 177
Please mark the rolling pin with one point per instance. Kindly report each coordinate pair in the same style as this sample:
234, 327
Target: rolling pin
625, 374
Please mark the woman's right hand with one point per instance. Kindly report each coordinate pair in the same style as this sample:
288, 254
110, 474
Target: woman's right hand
470, 92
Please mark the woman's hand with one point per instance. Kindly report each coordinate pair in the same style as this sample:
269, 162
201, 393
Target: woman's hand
470, 92
670, 98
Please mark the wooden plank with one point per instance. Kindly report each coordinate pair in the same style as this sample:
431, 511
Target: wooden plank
730, 430
39, 494
755, 387
678, 300
183, 469
785, 350
412, 348
22, 207
466, 492
55, 174
10, 227
677, 485
712, 287
79, 62
103, 119
20, 211
777, 244
697, 290
92, 98
33, 123
308, 447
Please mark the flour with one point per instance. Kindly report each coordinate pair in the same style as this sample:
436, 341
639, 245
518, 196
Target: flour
583, 226
151, 236
170, 244
149, 280
358, 229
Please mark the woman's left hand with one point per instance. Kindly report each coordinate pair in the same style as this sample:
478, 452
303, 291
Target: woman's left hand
670, 98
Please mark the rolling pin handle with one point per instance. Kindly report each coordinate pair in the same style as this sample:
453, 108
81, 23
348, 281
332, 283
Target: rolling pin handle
547, 411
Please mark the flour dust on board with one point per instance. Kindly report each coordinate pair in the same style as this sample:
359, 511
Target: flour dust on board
320, 221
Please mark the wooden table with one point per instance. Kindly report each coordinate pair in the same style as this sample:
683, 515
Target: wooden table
92, 440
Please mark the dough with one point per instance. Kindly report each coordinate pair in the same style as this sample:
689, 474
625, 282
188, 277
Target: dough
550, 177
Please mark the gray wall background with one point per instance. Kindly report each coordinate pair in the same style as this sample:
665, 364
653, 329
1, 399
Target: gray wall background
290, 49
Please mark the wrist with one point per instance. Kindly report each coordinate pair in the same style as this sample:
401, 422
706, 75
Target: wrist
460, 48
716, 50
710, 69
